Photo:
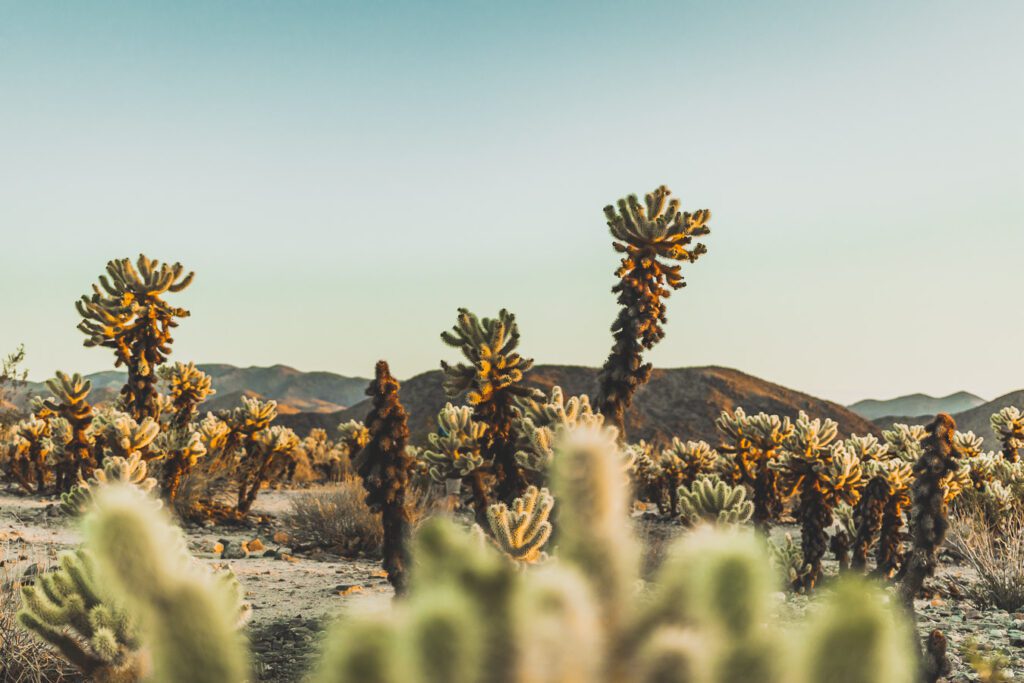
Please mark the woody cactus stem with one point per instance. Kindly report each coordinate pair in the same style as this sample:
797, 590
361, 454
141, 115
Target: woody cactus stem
127, 313
867, 515
928, 518
384, 467
647, 235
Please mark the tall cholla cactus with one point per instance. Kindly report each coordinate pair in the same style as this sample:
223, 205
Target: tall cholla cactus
188, 386
189, 616
70, 609
752, 444
823, 477
1008, 424
354, 436
384, 466
492, 383
867, 513
541, 419
650, 236
522, 530
127, 313
929, 520
70, 401
272, 450
456, 453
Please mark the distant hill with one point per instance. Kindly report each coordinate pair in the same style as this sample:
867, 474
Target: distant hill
295, 391
917, 405
684, 402
976, 419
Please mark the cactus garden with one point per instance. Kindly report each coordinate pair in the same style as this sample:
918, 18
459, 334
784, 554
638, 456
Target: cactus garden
392, 343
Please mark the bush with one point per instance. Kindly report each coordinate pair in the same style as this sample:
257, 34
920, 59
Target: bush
996, 554
336, 518
23, 657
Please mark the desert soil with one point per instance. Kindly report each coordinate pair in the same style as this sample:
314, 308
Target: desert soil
294, 599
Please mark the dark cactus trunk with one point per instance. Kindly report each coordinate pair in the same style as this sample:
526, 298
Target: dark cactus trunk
888, 554
815, 517
867, 515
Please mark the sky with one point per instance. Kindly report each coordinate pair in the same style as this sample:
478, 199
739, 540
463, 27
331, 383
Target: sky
343, 176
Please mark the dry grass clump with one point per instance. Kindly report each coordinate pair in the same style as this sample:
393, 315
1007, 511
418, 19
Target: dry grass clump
23, 657
996, 554
336, 518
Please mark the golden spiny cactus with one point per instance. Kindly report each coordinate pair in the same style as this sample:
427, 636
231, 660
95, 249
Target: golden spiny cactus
354, 436
650, 236
267, 457
1008, 424
492, 384
29, 461
131, 470
541, 419
127, 313
70, 401
188, 387
823, 477
752, 444
680, 465
709, 499
522, 530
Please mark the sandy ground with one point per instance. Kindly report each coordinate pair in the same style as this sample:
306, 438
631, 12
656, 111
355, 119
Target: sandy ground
295, 599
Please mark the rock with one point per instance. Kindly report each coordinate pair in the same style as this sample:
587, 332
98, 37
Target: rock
34, 569
270, 553
53, 510
347, 589
255, 545
280, 537
234, 552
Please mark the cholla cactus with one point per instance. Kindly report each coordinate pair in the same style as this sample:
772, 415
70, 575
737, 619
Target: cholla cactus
540, 421
189, 616
866, 448
354, 436
681, 464
752, 444
131, 471
70, 394
187, 387
929, 514
788, 559
904, 441
69, 609
29, 463
456, 453
127, 313
384, 466
650, 236
898, 477
1008, 424
271, 451
123, 436
522, 530
880, 509
492, 383
710, 499
823, 477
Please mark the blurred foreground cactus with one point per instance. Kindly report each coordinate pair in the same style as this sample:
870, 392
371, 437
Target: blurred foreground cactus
650, 236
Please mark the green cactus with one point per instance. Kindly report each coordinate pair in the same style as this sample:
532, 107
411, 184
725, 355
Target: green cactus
651, 236
131, 471
384, 466
70, 402
127, 313
680, 465
188, 616
492, 382
540, 421
455, 450
1008, 424
709, 499
823, 477
522, 530
788, 559
68, 609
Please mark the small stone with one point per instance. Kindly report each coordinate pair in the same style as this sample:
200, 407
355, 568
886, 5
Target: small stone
346, 589
234, 552
286, 557
255, 545
280, 537
33, 569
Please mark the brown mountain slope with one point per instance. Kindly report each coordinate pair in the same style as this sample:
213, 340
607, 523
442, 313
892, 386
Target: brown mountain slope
683, 401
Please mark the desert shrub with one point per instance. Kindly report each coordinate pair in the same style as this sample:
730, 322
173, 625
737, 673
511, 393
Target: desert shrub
995, 554
23, 657
337, 518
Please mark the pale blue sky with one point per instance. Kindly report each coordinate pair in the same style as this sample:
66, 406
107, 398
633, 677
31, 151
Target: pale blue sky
342, 177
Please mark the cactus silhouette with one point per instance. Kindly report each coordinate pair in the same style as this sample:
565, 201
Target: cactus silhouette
649, 236
384, 466
492, 383
126, 312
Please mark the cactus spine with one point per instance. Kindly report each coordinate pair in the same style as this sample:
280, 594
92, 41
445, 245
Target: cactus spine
384, 466
649, 235
127, 313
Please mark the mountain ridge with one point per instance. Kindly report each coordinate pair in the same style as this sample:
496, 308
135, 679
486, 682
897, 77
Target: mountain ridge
917, 404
